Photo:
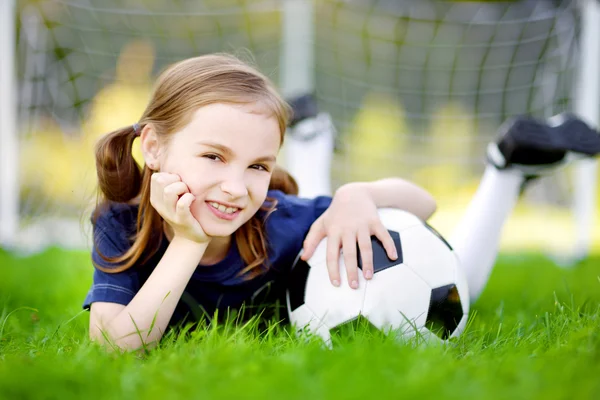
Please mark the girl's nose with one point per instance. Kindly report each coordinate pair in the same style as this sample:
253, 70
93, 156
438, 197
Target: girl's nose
235, 187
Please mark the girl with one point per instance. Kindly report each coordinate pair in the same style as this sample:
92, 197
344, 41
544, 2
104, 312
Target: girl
211, 223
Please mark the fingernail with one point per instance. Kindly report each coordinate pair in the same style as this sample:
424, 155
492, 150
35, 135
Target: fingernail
354, 284
395, 254
335, 282
369, 274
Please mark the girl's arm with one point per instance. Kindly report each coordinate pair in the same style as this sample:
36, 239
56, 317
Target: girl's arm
352, 219
397, 193
143, 321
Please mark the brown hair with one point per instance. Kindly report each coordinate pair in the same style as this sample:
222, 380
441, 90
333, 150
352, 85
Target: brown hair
180, 90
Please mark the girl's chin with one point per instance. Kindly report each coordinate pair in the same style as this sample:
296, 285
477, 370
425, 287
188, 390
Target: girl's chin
217, 232
217, 228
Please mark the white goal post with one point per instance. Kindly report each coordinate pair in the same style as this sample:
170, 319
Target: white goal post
9, 143
587, 106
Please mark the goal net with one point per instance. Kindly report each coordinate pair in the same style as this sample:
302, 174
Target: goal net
415, 88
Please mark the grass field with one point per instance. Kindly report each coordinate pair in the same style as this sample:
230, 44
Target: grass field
535, 333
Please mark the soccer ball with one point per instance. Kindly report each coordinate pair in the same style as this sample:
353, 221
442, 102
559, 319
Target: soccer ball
423, 292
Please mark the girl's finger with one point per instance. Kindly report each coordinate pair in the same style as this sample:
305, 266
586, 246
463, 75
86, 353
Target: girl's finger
316, 233
162, 179
158, 182
350, 258
182, 210
333, 253
156, 194
172, 192
366, 253
386, 240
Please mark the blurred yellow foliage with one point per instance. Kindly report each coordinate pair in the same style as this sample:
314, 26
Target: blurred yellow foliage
55, 166
449, 145
377, 139
122, 102
62, 168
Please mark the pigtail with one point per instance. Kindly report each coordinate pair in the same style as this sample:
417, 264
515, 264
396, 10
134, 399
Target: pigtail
119, 175
120, 180
252, 245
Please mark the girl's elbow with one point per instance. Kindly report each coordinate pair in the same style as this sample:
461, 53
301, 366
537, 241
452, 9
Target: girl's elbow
123, 345
113, 341
429, 209
102, 337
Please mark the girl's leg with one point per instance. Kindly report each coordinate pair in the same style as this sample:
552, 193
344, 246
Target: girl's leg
309, 147
526, 147
476, 238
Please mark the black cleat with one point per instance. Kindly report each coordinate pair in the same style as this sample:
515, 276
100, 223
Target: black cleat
307, 122
533, 146
303, 107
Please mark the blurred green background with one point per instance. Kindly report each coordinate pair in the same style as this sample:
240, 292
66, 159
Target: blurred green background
416, 89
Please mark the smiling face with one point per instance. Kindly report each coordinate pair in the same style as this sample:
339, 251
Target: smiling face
225, 155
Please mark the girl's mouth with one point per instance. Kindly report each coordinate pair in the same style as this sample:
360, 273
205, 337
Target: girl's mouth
222, 212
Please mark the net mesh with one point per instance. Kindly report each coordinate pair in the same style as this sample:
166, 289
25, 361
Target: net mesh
419, 85
415, 88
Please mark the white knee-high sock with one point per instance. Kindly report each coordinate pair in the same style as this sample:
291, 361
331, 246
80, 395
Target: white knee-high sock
309, 160
477, 236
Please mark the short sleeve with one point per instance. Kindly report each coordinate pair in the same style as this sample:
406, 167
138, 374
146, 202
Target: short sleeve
320, 204
301, 212
117, 288
110, 233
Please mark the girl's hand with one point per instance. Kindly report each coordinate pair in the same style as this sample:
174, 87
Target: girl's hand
350, 219
172, 199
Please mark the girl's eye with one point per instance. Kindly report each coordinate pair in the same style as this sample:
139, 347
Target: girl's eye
260, 167
213, 157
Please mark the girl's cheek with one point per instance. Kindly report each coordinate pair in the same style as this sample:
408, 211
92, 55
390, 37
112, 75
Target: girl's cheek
196, 208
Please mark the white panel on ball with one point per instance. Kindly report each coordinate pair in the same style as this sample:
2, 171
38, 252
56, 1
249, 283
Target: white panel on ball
461, 325
305, 319
335, 305
397, 220
396, 296
424, 336
463, 289
425, 253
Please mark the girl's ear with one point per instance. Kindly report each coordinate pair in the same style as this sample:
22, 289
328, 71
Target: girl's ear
150, 147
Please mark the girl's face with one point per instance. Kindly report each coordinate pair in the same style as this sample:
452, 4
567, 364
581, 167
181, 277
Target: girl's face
225, 155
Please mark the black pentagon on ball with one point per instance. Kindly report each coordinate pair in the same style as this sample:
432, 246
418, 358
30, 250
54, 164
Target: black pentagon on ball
297, 283
445, 311
380, 258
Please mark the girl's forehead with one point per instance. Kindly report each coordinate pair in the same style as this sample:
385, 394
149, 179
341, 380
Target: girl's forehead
257, 107
241, 125
225, 115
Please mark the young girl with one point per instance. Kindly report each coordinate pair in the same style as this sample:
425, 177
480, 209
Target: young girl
211, 223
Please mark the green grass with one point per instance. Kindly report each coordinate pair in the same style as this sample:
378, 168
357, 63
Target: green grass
535, 333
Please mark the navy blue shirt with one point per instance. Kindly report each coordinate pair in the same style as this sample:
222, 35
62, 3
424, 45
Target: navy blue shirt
211, 288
